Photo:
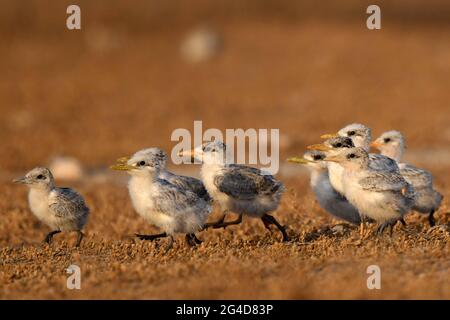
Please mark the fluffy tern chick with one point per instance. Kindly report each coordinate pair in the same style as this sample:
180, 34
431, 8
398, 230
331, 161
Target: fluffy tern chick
329, 199
184, 182
379, 195
361, 136
237, 188
336, 144
168, 206
332, 146
427, 200
62, 209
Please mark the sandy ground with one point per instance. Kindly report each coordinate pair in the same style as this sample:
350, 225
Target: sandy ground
120, 85
240, 262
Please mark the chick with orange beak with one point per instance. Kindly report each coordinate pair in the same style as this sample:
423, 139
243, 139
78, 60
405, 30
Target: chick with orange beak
382, 196
427, 200
361, 136
337, 143
237, 188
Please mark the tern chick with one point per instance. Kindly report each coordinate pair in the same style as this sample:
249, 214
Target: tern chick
62, 209
168, 206
335, 144
329, 147
361, 136
330, 200
427, 200
184, 182
379, 195
237, 188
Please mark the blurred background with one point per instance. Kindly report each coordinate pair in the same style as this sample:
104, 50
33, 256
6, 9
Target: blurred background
139, 69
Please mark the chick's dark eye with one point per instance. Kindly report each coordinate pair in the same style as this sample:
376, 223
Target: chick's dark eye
141, 163
352, 155
338, 145
387, 140
351, 133
40, 177
317, 157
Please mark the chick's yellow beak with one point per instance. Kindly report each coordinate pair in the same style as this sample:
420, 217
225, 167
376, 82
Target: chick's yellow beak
319, 147
299, 160
123, 160
122, 165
